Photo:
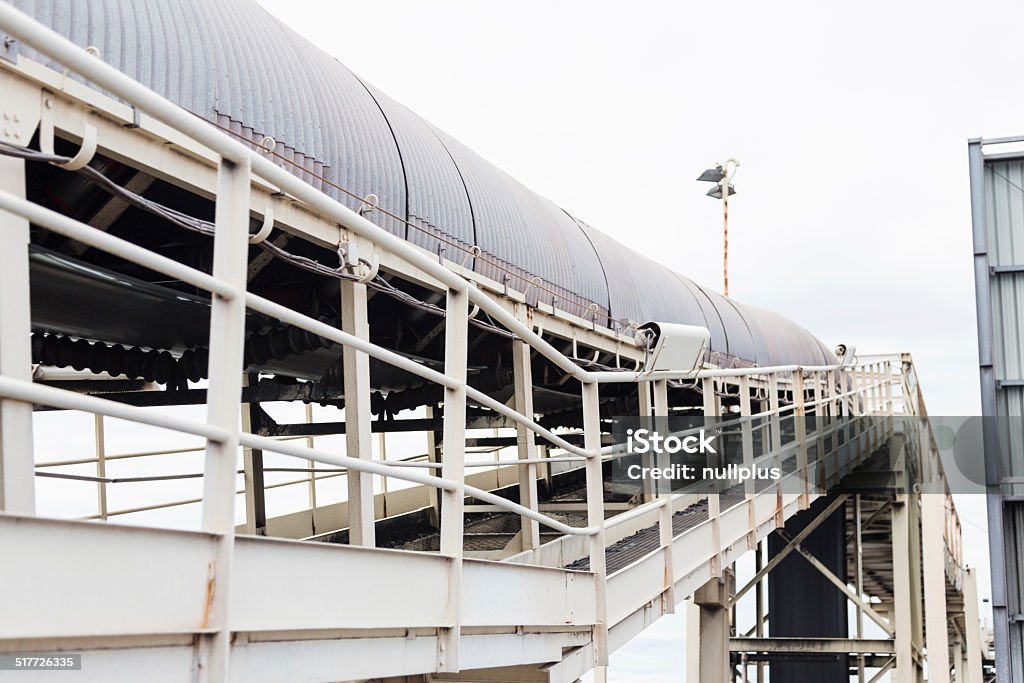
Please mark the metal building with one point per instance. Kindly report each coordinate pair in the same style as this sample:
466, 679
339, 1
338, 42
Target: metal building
997, 213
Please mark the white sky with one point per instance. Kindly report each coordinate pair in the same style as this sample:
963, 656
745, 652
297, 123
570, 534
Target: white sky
852, 216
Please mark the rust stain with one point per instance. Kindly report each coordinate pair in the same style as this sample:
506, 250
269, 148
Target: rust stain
210, 587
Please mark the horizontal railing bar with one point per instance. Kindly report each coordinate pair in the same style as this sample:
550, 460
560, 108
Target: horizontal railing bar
287, 315
104, 241
29, 392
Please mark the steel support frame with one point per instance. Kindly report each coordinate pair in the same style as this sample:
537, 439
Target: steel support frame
213, 507
453, 469
526, 448
1000, 547
358, 437
227, 337
17, 466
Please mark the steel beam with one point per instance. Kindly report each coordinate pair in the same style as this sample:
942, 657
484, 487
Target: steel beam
805, 645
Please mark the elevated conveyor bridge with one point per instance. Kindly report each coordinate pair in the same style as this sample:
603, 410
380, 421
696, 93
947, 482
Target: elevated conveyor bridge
453, 564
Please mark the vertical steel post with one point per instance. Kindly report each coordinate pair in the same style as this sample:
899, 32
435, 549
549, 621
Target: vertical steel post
800, 429
747, 440
905, 594
647, 459
227, 338
825, 456
101, 465
525, 444
311, 443
453, 469
725, 231
595, 516
933, 518
712, 409
973, 626
774, 404
665, 534
252, 469
859, 579
17, 465
433, 457
358, 439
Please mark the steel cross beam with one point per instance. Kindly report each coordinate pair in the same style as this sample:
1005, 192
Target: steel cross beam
791, 546
841, 585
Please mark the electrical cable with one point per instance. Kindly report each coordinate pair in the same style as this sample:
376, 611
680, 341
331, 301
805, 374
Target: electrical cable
208, 229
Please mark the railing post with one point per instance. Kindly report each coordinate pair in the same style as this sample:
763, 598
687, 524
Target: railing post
712, 408
665, 535
747, 441
101, 466
252, 472
17, 466
358, 439
595, 516
646, 459
525, 443
800, 430
825, 455
227, 338
453, 469
774, 404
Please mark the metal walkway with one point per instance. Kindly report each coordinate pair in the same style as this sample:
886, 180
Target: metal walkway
533, 569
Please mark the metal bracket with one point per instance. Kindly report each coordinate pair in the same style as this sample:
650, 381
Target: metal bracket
9, 49
264, 231
46, 139
370, 202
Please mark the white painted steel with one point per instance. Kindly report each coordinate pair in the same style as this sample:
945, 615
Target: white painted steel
17, 485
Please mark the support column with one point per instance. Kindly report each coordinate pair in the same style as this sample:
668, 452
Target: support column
707, 658
358, 440
434, 439
973, 626
595, 516
665, 535
903, 564
525, 442
252, 468
454, 470
933, 518
17, 466
227, 339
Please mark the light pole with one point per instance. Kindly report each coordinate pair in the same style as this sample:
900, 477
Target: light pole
721, 175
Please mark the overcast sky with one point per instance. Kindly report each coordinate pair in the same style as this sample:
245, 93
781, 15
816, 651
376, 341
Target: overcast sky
852, 213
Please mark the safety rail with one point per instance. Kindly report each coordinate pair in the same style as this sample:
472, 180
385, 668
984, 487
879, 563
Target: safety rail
870, 385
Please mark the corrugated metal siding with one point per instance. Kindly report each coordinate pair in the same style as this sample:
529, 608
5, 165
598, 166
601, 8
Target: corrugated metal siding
640, 290
1005, 210
438, 203
997, 209
232, 63
527, 231
1004, 198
